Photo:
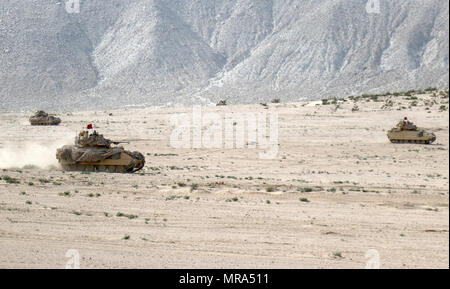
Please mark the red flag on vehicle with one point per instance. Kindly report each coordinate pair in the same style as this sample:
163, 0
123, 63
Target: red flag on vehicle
89, 126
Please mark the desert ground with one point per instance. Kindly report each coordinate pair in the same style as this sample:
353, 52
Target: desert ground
336, 189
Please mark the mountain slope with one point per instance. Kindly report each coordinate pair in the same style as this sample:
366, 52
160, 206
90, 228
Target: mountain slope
156, 52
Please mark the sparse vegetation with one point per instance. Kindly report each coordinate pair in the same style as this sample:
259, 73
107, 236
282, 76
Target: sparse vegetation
164, 155
10, 180
337, 255
91, 195
194, 187
129, 216
64, 194
234, 199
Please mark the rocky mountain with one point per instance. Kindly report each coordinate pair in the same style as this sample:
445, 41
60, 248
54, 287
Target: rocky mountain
110, 54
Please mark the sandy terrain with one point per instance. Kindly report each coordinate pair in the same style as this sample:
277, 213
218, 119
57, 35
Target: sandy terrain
336, 189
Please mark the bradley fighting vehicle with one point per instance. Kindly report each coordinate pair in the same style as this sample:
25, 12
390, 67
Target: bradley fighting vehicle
407, 132
94, 153
43, 118
221, 103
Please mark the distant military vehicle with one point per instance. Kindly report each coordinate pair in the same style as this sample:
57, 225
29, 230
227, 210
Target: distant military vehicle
94, 153
221, 103
276, 100
43, 118
407, 132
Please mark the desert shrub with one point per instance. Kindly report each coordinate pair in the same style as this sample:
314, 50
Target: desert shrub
10, 180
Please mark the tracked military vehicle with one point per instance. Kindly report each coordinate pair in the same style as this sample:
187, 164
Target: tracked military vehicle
221, 103
94, 153
407, 132
43, 118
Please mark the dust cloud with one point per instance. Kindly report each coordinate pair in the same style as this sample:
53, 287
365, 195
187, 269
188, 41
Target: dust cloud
31, 155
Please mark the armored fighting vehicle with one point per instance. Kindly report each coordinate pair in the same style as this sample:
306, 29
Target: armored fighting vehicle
94, 153
43, 118
221, 103
407, 132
